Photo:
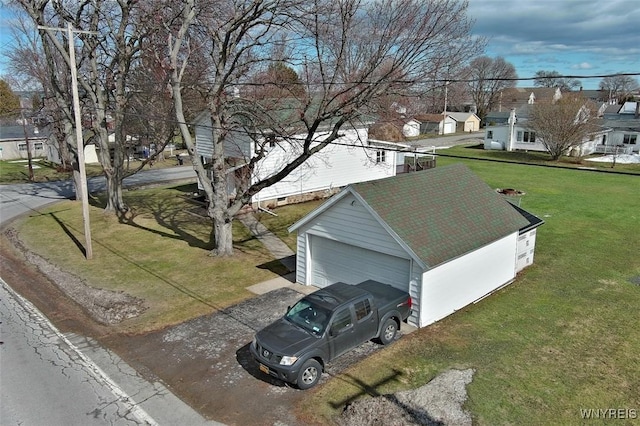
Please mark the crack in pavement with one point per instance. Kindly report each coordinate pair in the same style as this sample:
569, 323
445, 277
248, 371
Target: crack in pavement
66, 357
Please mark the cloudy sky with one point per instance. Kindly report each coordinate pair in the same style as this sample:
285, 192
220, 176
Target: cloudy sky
572, 37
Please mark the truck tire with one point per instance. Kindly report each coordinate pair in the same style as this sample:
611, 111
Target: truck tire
309, 374
389, 331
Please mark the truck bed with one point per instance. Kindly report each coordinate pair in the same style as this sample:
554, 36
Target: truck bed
384, 294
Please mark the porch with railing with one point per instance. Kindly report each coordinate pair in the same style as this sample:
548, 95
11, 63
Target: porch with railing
614, 149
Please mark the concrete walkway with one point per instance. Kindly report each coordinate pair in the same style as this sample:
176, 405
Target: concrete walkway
280, 251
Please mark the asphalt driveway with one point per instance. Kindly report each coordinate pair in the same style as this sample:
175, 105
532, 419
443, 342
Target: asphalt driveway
206, 362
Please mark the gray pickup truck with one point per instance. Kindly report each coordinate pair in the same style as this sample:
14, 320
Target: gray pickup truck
326, 324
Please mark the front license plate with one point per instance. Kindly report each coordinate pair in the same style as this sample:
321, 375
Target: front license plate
264, 369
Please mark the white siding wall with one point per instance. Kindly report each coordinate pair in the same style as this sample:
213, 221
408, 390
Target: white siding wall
412, 128
333, 167
302, 257
237, 145
415, 291
350, 222
457, 283
617, 137
204, 142
499, 134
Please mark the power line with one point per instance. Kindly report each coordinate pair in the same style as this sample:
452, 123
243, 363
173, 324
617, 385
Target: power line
441, 81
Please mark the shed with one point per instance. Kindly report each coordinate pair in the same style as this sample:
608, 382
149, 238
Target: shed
429, 124
466, 121
441, 234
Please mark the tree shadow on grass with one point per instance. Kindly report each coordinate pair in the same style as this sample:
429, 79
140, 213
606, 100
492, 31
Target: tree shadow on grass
176, 216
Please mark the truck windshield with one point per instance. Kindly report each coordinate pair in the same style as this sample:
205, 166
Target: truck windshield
308, 316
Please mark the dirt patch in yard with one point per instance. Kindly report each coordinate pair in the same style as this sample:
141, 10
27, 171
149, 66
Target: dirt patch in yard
106, 307
439, 402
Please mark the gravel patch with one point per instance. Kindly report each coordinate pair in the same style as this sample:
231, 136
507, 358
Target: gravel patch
439, 402
105, 306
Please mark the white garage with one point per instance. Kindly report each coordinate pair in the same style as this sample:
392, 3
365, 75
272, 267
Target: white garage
333, 261
441, 234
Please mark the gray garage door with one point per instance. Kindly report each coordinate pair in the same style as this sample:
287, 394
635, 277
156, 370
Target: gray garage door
333, 261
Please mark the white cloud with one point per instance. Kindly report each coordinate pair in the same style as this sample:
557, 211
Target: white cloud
582, 66
561, 35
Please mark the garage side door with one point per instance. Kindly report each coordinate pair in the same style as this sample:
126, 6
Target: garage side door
332, 261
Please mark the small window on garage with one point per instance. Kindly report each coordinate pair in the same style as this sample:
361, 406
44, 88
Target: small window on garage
363, 309
341, 321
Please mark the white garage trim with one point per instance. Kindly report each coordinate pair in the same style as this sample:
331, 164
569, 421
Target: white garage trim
333, 261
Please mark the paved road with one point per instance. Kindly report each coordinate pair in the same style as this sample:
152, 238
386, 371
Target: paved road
447, 141
18, 199
46, 379
51, 378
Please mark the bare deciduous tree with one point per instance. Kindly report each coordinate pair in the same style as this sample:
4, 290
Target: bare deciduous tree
350, 56
563, 124
553, 79
618, 87
36, 66
487, 78
110, 34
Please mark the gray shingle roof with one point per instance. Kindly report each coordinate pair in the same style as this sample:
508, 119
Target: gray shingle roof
441, 213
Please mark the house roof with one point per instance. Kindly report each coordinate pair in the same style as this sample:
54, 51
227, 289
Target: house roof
429, 118
515, 97
625, 125
462, 116
613, 109
16, 132
438, 214
595, 95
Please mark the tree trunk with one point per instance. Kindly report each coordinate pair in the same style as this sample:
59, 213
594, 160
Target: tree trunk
115, 203
223, 229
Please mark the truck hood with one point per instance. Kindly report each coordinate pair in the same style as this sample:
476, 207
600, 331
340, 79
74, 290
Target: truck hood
285, 338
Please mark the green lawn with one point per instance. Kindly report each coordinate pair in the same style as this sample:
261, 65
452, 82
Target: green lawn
563, 337
159, 254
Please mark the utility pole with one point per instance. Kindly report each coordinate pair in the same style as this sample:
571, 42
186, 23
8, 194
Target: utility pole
84, 192
26, 140
446, 95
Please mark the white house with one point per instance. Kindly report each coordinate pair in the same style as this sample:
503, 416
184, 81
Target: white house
441, 234
623, 121
13, 142
429, 123
515, 136
348, 160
